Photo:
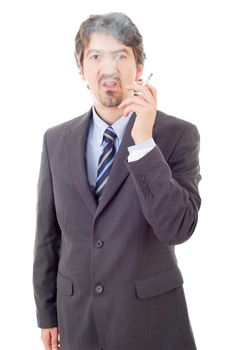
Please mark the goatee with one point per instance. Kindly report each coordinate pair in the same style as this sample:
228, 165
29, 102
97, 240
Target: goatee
111, 99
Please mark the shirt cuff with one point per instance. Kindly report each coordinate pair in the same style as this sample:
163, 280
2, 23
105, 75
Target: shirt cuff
138, 151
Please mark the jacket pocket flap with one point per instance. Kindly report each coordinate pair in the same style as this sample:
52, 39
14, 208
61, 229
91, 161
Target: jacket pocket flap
159, 284
64, 285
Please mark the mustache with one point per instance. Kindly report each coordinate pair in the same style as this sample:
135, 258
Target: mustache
108, 76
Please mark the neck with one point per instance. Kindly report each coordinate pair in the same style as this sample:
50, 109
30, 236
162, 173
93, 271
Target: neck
108, 114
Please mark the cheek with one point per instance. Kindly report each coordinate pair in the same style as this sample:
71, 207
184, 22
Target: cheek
90, 73
130, 73
129, 77
92, 80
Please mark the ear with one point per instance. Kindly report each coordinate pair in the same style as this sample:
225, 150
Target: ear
80, 68
82, 75
139, 71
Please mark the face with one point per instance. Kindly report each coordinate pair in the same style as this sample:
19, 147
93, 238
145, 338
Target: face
108, 66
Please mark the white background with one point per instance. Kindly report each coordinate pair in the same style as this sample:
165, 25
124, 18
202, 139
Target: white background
189, 50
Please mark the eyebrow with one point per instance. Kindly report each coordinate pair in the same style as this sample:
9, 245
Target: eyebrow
112, 52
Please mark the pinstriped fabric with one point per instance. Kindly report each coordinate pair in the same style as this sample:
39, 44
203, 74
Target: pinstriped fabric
105, 162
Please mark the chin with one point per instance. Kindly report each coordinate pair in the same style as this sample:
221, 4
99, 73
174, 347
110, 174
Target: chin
110, 104
111, 100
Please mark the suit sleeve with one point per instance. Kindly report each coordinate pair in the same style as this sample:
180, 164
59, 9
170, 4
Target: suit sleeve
46, 247
168, 190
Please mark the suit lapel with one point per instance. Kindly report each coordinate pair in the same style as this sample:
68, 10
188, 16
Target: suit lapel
76, 150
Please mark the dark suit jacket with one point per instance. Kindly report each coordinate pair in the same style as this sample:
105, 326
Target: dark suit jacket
107, 275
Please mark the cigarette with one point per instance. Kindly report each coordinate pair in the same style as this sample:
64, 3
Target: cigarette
147, 80
135, 93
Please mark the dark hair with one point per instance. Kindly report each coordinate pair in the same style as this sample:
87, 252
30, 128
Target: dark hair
116, 24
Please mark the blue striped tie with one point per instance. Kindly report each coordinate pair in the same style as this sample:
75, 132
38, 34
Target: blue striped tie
105, 162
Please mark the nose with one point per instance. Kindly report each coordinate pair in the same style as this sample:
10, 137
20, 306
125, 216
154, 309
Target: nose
109, 66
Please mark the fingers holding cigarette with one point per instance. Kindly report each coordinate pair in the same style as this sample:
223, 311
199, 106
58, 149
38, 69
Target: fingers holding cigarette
147, 92
143, 98
141, 105
151, 89
144, 83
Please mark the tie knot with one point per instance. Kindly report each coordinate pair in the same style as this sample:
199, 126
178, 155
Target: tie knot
109, 135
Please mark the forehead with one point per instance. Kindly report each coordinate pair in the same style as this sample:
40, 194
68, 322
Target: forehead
107, 43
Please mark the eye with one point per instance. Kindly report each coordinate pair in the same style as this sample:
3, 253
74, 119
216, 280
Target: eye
121, 57
95, 57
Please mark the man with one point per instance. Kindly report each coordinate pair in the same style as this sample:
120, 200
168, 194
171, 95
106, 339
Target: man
118, 189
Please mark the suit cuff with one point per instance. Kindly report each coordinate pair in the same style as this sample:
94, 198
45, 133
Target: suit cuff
140, 150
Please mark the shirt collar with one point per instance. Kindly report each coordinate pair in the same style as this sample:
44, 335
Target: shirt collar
100, 126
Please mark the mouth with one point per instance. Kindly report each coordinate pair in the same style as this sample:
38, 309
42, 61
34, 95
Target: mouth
109, 84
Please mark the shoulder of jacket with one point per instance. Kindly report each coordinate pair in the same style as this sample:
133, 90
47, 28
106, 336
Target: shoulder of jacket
63, 128
168, 126
167, 120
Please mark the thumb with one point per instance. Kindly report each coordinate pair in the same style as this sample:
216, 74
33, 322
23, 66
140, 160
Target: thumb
54, 338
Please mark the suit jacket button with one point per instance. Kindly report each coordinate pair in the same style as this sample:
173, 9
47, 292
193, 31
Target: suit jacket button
141, 177
99, 244
145, 189
143, 183
99, 289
